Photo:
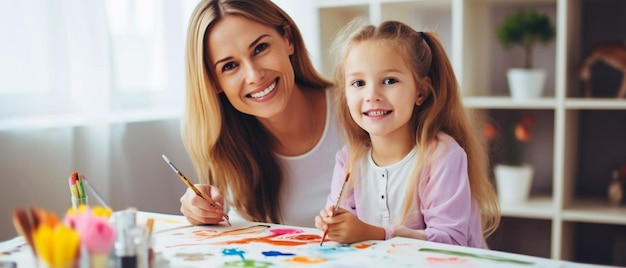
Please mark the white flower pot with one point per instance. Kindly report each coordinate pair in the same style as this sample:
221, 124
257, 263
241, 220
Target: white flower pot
526, 83
513, 183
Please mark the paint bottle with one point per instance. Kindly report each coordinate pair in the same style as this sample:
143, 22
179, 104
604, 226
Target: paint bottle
125, 249
140, 238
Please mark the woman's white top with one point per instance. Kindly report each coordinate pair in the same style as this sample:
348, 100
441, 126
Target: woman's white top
307, 177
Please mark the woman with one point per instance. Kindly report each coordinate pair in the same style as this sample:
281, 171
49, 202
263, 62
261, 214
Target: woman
258, 125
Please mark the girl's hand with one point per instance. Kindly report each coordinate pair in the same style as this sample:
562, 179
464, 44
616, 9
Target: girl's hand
345, 227
320, 222
200, 211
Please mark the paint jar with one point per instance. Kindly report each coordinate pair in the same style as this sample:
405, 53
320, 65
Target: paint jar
139, 235
77, 201
125, 249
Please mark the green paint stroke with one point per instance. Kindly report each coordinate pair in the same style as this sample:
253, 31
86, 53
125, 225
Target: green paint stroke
478, 256
248, 263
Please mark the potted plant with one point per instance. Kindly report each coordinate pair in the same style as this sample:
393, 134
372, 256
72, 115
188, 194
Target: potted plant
526, 29
513, 176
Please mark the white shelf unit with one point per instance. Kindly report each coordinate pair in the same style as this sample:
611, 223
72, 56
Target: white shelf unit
556, 206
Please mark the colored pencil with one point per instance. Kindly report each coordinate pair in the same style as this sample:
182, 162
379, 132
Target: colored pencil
190, 185
81, 188
336, 208
73, 189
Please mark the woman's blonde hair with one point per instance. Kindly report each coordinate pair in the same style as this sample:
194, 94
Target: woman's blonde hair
441, 111
229, 149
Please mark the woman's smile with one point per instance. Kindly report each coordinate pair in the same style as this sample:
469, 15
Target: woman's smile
263, 93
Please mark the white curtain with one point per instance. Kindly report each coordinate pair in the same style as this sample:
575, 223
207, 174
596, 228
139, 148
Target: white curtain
94, 86
91, 58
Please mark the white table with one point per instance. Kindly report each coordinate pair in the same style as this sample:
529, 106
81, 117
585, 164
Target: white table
183, 245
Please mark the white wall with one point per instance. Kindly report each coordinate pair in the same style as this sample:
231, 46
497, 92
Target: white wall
123, 162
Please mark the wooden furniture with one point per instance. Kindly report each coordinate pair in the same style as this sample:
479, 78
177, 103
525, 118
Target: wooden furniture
577, 141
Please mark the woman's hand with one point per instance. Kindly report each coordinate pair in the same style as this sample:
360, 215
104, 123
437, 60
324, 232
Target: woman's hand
344, 227
200, 211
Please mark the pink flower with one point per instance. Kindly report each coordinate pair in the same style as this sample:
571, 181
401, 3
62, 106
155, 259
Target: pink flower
96, 233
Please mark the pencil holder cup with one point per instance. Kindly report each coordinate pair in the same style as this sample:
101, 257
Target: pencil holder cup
77, 201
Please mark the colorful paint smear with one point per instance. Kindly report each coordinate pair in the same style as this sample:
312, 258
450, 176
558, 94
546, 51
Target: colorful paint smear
261, 245
193, 256
477, 256
446, 260
294, 240
208, 234
274, 253
334, 250
169, 221
248, 263
234, 252
305, 260
282, 231
363, 245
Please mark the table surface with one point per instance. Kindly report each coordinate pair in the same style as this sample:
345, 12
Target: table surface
179, 244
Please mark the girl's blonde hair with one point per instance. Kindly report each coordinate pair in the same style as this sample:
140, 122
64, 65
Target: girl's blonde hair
441, 111
229, 149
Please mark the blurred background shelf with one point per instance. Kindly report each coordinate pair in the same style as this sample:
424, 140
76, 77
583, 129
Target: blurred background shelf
533, 208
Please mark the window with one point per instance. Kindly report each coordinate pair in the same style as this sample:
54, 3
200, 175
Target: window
91, 58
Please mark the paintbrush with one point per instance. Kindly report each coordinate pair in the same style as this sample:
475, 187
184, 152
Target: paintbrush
336, 208
95, 193
26, 221
25, 226
198, 193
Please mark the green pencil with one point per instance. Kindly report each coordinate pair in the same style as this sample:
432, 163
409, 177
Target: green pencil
81, 188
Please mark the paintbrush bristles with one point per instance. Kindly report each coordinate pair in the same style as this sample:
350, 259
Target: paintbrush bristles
26, 221
150, 225
23, 227
165, 158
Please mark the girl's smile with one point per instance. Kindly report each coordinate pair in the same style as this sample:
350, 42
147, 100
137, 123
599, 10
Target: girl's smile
377, 114
380, 90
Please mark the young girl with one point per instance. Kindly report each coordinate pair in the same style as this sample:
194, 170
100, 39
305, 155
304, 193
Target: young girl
416, 168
